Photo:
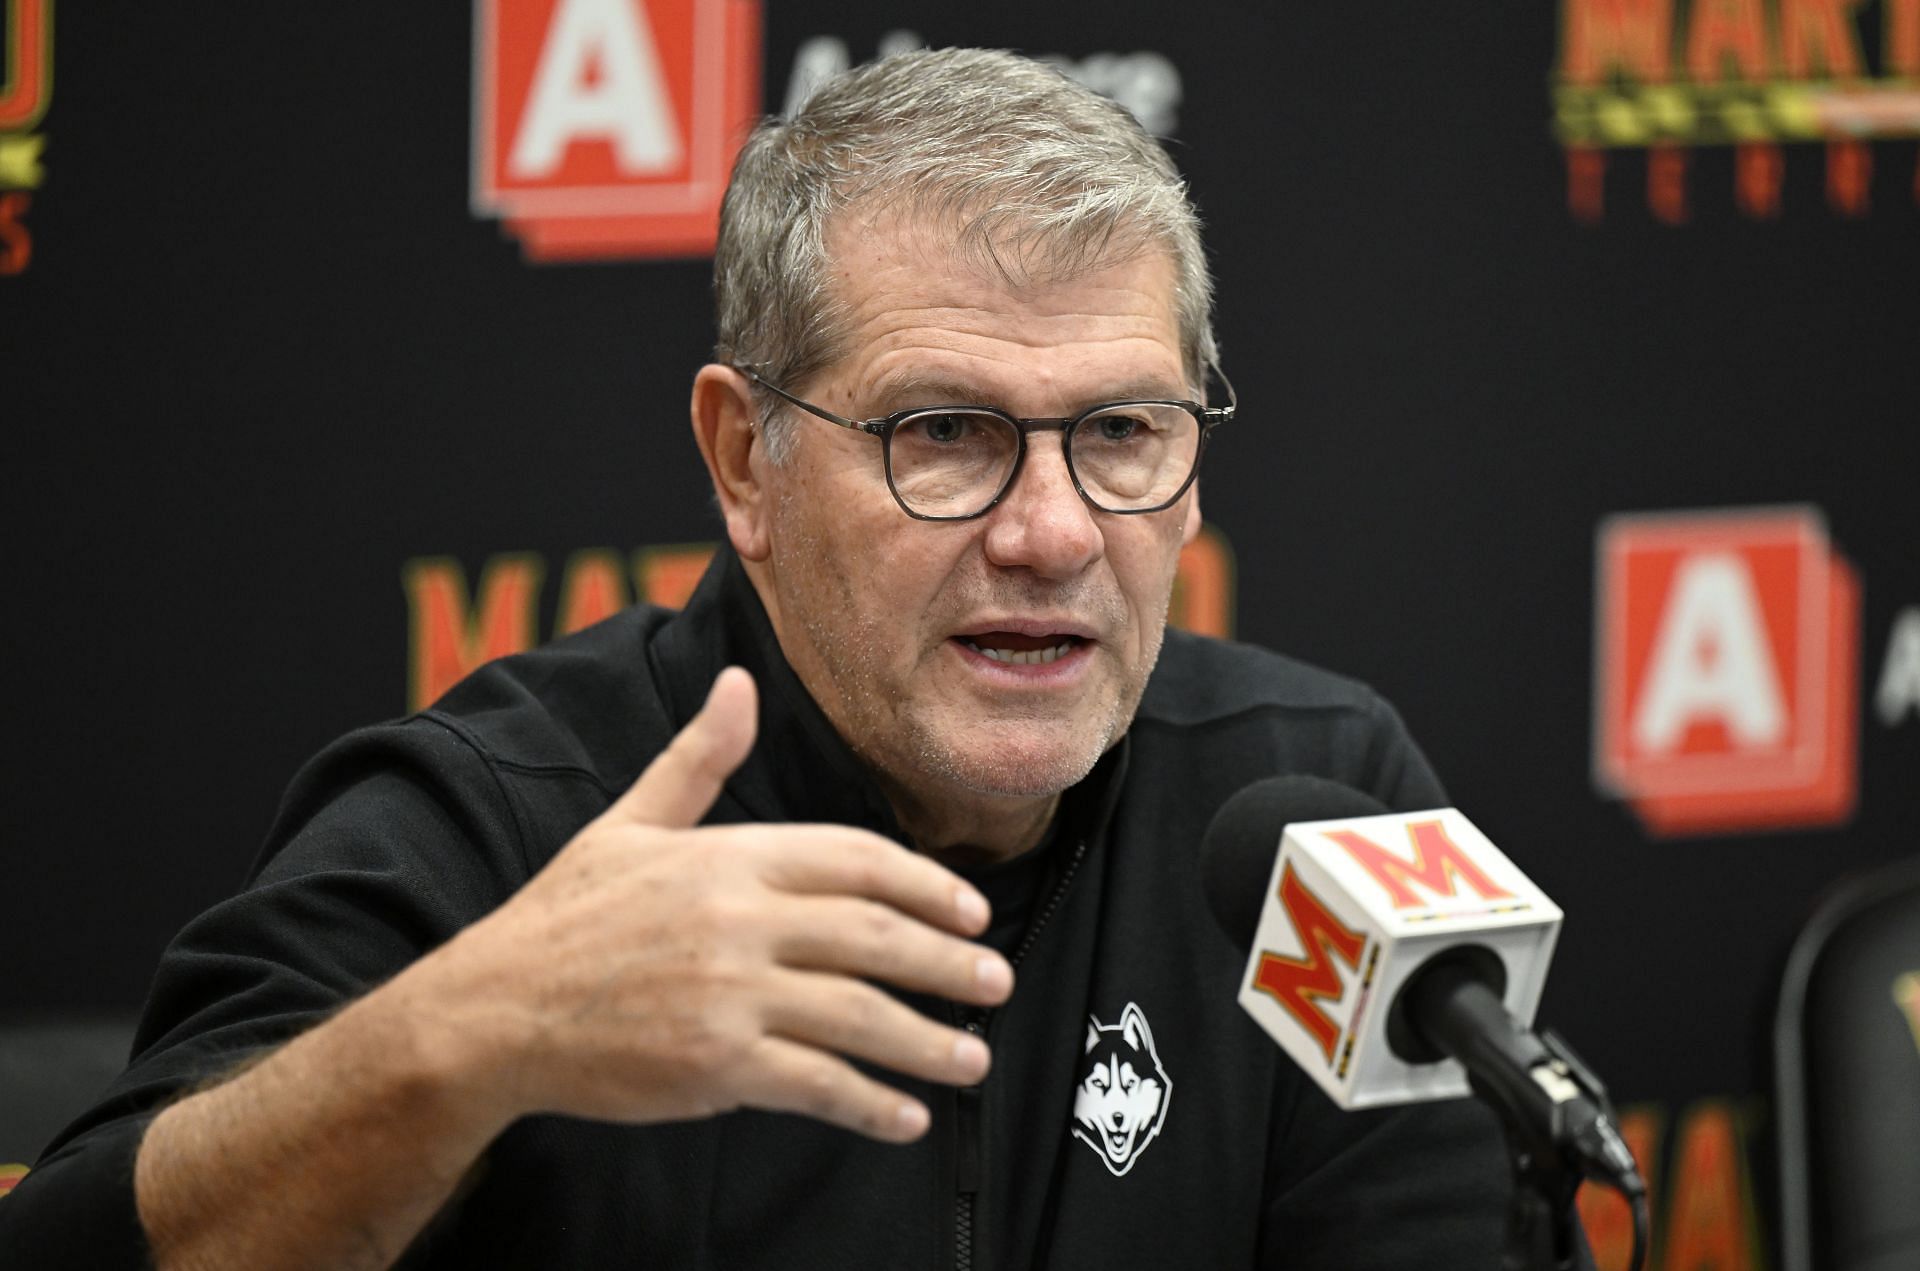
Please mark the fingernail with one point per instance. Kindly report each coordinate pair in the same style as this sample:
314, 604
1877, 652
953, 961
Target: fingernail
912, 1119
971, 905
969, 1052
993, 974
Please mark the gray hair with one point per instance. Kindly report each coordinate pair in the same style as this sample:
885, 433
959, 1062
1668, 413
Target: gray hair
1039, 178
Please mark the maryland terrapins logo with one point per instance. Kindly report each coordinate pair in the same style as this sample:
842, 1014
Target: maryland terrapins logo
1667, 78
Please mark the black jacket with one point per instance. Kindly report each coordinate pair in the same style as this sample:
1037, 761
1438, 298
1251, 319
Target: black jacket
396, 837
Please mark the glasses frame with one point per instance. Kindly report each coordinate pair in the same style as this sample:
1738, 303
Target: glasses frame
1208, 417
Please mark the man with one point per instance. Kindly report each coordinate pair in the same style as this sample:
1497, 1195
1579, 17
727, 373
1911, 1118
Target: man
671, 945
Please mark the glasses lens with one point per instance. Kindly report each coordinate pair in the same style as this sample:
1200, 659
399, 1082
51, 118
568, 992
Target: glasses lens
952, 462
1136, 454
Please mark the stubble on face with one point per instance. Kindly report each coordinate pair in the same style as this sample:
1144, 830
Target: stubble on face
1023, 750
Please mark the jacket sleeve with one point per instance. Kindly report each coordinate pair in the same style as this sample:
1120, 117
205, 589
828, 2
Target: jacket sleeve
386, 845
1419, 1186
1396, 771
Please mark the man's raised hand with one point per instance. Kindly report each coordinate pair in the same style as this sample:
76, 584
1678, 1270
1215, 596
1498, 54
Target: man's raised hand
655, 971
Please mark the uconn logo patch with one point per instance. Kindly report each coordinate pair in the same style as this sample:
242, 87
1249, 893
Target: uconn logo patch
1122, 1100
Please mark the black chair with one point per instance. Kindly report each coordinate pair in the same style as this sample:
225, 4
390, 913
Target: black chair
52, 1070
1847, 1080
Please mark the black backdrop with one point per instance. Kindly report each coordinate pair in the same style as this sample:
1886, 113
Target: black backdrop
263, 355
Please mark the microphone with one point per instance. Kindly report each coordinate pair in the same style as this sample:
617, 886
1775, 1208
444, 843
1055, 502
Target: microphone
1399, 957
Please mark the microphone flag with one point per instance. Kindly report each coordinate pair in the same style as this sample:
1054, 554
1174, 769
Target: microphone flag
1353, 908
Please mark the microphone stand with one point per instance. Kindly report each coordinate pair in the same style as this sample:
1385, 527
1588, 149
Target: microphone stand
1558, 1120
1540, 1217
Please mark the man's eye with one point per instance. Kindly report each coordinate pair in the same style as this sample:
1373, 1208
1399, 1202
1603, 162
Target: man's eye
1117, 427
945, 429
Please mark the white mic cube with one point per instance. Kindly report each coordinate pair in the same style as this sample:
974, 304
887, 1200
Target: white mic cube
1353, 908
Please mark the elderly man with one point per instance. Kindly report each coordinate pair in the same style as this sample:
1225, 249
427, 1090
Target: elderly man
687, 941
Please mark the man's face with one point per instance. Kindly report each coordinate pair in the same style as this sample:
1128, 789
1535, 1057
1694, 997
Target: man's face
904, 630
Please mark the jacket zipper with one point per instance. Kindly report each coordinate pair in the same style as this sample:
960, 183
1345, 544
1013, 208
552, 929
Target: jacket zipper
967, 1148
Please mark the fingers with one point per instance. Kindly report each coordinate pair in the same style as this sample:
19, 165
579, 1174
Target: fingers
792, 1077
834, 860
868, 940
848, 1017
684, 779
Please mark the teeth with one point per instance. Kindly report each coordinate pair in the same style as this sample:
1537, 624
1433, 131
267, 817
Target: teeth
1029, 657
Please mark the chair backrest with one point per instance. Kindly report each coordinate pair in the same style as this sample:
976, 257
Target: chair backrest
1847, 1080
52, 1070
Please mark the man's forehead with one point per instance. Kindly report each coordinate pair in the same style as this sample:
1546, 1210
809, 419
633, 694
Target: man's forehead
917, 320
935, 250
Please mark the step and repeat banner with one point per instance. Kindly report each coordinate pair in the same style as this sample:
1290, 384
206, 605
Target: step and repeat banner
343, 347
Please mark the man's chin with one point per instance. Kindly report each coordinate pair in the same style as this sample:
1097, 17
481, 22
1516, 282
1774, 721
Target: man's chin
1021, 767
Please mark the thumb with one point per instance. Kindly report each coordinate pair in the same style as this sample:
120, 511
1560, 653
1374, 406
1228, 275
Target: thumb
683, 781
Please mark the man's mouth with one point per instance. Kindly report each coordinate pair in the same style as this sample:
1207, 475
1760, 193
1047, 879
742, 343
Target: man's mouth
1010, 648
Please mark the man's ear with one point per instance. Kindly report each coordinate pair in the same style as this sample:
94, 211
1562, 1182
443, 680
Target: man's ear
728, 433
1191, 530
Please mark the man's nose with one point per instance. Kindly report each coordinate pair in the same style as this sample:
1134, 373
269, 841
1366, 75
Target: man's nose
1042, 523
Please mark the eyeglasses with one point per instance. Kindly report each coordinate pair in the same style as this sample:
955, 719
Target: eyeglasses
954, 463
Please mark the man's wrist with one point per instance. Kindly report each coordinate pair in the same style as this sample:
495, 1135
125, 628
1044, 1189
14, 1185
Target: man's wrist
456, 1042
382, 1081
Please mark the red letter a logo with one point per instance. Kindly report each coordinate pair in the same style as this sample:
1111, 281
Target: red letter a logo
605, 128
1725, 670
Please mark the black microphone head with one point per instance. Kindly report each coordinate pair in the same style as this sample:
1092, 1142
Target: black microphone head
1236, 856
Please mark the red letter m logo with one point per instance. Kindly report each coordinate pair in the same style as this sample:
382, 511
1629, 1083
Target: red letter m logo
1437, 862
1292, 981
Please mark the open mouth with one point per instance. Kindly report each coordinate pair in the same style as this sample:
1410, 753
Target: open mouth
1010, 648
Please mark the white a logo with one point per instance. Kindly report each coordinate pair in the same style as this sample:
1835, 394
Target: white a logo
627, 105
1711, 659
1122, 1100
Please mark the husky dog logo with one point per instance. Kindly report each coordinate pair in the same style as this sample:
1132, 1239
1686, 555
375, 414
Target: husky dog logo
1123, 1095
